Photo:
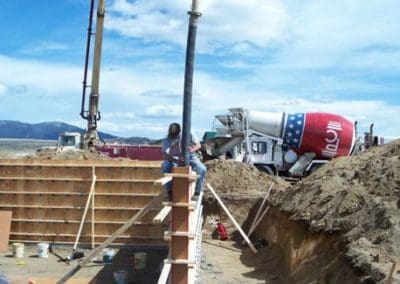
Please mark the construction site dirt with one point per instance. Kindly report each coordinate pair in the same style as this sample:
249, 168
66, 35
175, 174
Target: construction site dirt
338, 225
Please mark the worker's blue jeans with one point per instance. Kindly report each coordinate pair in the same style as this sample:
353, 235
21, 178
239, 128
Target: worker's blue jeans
196, 165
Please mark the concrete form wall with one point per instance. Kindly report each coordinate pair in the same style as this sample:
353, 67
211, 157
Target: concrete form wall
48, 197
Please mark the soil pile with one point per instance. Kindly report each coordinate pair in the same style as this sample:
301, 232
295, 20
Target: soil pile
8, 155
56, 154
231, 178
357, 197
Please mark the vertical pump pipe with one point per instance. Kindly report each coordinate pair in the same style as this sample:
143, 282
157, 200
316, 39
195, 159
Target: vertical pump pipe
188, 84
91, 136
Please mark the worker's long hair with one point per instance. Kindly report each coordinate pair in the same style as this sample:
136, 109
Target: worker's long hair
174, 130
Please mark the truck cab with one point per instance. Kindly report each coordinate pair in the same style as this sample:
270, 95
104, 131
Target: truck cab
70, 141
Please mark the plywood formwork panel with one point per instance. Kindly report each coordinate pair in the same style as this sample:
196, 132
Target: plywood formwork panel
48, 198
49, 227
82, 163
82, 186
79, 172
86, 239
75, 215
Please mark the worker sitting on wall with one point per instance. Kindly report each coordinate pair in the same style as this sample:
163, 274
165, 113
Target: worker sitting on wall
173, 157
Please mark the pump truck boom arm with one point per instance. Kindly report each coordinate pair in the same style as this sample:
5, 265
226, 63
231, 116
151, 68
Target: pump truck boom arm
92, 114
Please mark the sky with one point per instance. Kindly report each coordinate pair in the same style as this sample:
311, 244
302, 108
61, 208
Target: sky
268, 55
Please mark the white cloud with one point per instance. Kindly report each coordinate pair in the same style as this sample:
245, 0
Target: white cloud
224, 21
132, 128
163, 111
118, 114
37, 77
44, 47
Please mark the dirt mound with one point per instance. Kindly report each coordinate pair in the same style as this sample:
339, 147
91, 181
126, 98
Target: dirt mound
230, 178
56, 154
8, 155
359, 198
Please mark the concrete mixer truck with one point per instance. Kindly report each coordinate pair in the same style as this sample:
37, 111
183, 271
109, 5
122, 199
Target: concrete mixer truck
288, 144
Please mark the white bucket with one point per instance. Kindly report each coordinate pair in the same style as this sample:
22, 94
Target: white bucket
121, 276
43, 250
108, 255
18, 250
140, 260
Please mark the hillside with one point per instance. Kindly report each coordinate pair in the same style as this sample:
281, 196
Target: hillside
43, 130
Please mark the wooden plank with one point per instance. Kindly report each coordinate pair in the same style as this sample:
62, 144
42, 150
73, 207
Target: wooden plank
191, 176
389, 280
160, 217
80, 163
232, 219
88, 201
103, 228
78, 187
92, 216
255, 222
163, 279
5, 225
163, 180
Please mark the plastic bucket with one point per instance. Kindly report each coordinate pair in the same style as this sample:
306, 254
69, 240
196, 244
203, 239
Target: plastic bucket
18, 250
43, 250
121, 276
108, 255
140, 260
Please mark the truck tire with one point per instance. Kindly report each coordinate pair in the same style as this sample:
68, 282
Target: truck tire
267, 169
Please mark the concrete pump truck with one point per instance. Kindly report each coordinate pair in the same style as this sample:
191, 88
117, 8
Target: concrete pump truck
91, 138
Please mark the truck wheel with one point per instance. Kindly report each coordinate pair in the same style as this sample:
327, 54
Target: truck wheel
267, 169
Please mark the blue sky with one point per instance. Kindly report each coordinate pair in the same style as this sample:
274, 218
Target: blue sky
269, 55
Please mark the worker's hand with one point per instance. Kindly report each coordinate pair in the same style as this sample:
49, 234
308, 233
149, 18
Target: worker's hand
194, 147
179, 160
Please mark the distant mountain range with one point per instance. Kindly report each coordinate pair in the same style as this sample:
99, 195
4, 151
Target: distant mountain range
51, 131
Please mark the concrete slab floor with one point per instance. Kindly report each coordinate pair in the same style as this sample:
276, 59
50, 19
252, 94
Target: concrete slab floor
49, 270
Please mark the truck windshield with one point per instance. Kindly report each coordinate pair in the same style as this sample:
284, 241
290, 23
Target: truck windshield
67, 141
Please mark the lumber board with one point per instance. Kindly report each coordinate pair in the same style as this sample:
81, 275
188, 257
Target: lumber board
232, 219
5, 226
163, 279
160, 217
81, 163
78, 186
69, 228
190, 177
163, 180
113, 215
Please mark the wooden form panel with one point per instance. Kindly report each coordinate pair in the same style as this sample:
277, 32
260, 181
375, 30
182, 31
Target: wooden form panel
82, 172
58, 228
86, 239
74, 215
82, 186
48, 199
